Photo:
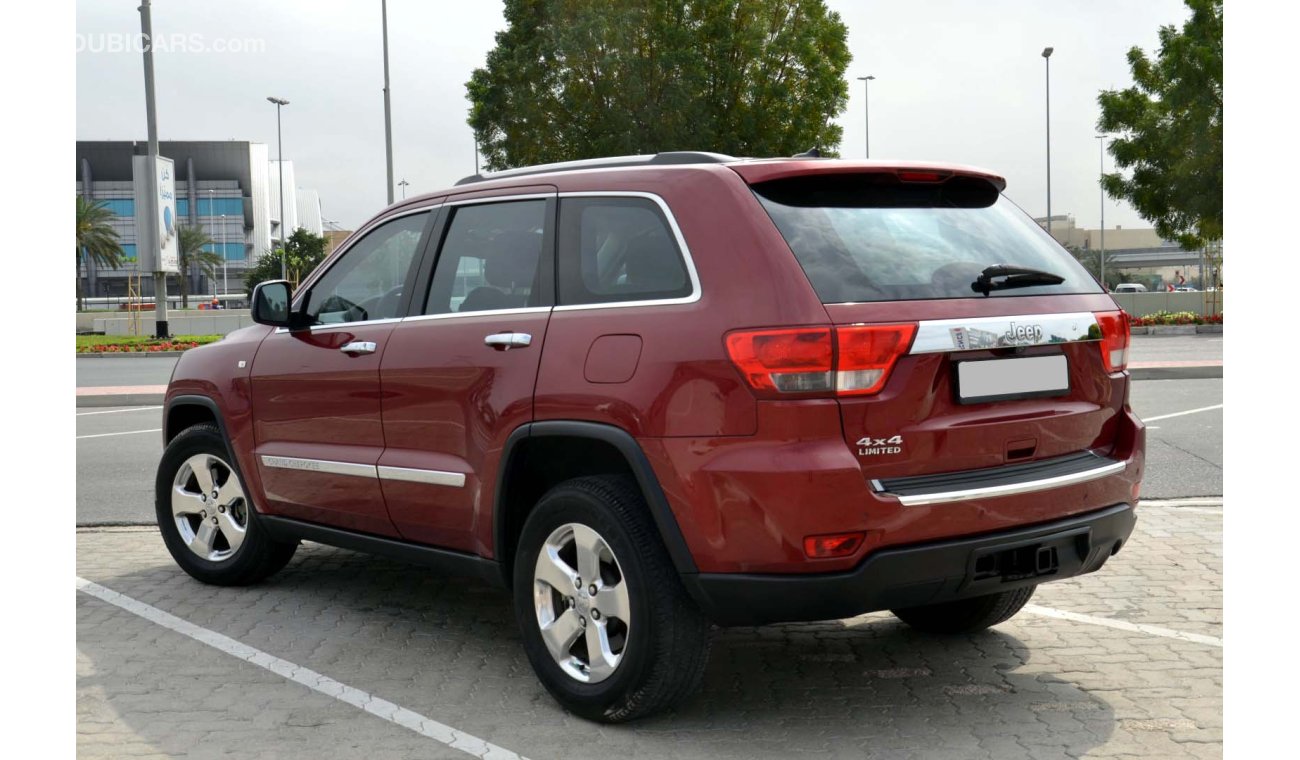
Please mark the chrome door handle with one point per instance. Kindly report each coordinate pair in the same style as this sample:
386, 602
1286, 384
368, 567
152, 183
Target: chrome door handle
507, 340
358, 347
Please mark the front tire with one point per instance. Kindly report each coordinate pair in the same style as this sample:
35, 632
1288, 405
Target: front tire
966, 615
606, 622
205, 515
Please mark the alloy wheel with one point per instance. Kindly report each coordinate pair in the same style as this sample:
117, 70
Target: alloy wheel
209, 507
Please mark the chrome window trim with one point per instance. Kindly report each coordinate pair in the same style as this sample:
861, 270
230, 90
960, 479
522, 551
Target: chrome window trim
343, 249
696, 290
936, 336
319, 465
349, 325
1043, 484
429, 477
496, 198
484, 313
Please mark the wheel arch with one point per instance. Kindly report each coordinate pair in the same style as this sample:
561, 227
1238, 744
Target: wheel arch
573, 449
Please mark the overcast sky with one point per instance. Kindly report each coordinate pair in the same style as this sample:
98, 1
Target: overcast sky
957, 80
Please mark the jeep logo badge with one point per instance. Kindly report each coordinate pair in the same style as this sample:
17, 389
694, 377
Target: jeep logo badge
1020, 334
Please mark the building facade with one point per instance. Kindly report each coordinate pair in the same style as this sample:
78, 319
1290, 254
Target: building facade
230, 189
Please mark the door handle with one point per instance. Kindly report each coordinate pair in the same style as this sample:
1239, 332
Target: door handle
358, 347
507, 340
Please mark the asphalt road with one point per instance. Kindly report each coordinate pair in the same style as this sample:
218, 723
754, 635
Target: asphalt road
115, 470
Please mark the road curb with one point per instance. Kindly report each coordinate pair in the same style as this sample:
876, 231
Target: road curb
121, 399
1195, 372
97, 354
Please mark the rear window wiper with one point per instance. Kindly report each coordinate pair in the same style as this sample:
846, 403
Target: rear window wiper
1004, 276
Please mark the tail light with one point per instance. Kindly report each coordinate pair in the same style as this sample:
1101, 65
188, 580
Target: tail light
852, 360
1114, 339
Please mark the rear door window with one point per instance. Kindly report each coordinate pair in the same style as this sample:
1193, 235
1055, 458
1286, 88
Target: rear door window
615, 249
870, 237
489, 259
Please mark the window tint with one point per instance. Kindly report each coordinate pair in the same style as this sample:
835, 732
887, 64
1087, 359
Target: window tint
366, 283
617, 249
489, 258
872, 238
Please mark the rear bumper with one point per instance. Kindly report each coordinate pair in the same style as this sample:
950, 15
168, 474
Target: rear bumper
928, 573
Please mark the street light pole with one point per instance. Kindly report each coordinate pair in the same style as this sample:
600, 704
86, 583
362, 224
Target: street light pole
151, 210
1101, 162
388, 113
403, 184
212, 218
866, 109
225, 259
279, 137
1047, 60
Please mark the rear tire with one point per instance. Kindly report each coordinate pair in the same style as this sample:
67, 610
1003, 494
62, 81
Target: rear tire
206, 517
966, 615
649, 645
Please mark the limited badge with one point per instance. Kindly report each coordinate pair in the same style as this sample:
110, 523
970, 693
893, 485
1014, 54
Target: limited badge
869, 446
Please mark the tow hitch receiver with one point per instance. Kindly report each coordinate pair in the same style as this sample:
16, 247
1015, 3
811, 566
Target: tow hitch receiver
1017, 563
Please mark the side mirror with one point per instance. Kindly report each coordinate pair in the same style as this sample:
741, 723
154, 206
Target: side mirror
272, 301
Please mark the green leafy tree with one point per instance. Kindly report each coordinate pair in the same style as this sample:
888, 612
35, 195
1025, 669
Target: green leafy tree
190, 241
1170, 124
571, 79
97, 241
306, 252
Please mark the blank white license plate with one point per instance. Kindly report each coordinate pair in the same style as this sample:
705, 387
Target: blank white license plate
1000, 379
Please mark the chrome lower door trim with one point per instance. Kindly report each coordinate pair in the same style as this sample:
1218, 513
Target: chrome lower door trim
320, 465
937, 336
430, 477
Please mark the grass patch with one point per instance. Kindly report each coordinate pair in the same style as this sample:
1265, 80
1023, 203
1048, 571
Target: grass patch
120, 344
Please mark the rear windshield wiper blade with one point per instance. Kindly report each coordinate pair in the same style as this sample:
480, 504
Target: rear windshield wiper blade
1004, 276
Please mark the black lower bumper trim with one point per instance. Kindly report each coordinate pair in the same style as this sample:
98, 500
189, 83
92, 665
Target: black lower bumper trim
918, 575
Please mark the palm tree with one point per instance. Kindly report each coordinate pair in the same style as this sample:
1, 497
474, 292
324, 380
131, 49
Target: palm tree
96, 239
189, 245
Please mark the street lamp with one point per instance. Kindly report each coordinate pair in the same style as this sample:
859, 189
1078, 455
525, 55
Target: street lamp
388, 111
279, 137
1047, 61
866, 109
225, 258
1101, 143
403, 184
212, 216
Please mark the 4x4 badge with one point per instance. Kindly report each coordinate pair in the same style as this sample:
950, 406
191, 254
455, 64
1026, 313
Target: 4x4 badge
869, 446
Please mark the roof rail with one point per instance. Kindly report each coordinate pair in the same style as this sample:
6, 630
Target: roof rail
667, 158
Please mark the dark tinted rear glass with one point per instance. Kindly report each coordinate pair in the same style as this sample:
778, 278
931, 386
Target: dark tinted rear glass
863, 237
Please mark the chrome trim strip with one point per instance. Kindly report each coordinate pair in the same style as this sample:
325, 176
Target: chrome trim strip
484, 313
344, 325
431, 477
677, 235
935, 336
320, 465
496, 198
947, 497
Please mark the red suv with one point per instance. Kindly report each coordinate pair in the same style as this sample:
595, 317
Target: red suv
651, 393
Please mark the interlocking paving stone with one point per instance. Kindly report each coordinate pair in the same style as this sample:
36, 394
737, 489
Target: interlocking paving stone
1034, 687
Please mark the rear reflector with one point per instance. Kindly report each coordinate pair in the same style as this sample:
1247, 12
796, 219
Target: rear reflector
833, 545
849, 360
1114, 339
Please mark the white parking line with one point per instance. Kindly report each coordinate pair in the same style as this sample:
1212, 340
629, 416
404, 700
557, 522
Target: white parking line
119, 411
1180, 414
1123, 625
382, 708
128, 432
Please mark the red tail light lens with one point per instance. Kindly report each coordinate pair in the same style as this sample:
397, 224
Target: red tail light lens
789, 361
866, 355
1114, 339
833, 545
852, 360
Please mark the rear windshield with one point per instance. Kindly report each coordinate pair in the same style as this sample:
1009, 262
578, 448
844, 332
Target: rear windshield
870, 237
